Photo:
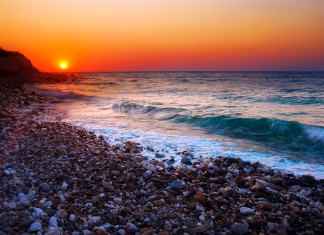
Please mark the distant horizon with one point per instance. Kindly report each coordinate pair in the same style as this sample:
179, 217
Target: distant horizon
160, 71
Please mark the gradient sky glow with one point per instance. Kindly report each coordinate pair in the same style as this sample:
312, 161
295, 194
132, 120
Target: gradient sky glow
139, 35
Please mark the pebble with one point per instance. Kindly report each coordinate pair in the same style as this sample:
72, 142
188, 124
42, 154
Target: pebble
53, 221
281, 230
246, 211
176, 184
200, 197
201, 217
12, 205
272, 226
45, 188
201, 229
118, 200
35, 227
239, 228
62, 213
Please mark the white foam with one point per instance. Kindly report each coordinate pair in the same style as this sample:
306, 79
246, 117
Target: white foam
315, 134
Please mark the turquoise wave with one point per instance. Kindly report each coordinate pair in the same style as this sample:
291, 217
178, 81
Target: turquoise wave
289, 135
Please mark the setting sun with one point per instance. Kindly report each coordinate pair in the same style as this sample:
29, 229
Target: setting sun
63, 66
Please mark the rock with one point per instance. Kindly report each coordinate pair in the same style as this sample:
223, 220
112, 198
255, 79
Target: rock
240, 181
239, 228
38, 211
193, 173
256, 223
190, 224
118, 200
149, 166
272, 226
200, 197
108, 187
291, 197
294, 208
216, 181
255, 164
53, 221
27, 224
246, 211
309, 179
186, 160
94, 219
49, 212
281, 230
201, 229
64, 185
228, 193
149, 232
204, 167
199, 208
265, 207
138, 216
35, 227
12, 205
220, 222
158, 203
191, 178
321, 208
222, 172
284, 183
159, 155
45, 188
72, 218
163, 233
176, 184
25, 203
62, 213
310, 193
201, 178
7, 230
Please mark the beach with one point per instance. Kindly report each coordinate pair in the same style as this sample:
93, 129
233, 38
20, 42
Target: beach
59, 178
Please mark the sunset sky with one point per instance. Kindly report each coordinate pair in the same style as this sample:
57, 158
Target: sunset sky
141, 35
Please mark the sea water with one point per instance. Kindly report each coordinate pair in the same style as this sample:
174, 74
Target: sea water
276, 118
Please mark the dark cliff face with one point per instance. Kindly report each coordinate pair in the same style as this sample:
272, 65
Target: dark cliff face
15, 66
15, 63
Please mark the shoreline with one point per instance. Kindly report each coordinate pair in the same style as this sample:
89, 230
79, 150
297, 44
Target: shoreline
60, 178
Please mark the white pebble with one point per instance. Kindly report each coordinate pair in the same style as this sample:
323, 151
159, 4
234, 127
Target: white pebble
38, 211
72, 217
12, 205
118, 200
202, 217
35, 227
53, 221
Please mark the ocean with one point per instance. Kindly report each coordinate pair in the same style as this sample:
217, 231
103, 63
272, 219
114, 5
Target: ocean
276, 118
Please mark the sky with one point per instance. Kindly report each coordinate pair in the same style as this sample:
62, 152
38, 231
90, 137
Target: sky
165, 35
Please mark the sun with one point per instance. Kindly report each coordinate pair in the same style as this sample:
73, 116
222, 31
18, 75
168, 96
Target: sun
63, 66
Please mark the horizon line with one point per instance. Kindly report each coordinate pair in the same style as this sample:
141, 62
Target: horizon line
147, 71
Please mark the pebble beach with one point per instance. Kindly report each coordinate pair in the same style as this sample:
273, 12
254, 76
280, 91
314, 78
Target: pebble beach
58, 178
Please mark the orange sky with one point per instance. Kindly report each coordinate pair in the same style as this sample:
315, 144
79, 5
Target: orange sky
130, 35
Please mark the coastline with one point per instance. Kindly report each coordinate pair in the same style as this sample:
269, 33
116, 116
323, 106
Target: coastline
56, 177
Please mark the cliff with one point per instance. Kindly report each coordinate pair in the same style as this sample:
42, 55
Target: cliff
15, 63
15, 66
